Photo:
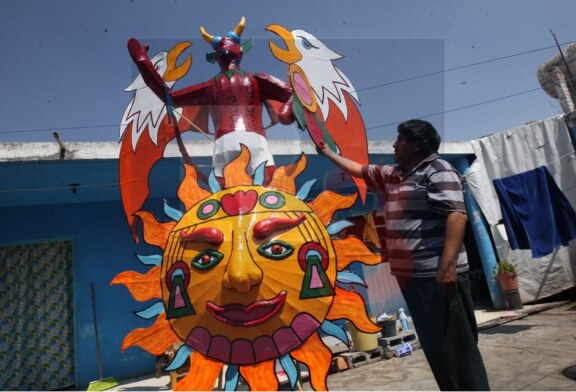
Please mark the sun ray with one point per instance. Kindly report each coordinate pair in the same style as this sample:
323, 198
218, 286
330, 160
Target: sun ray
202, 375
143, 287
190, 191
284, 177
352, 249
261, 376
350, 305
155, 233
328, 202
155, 339
234, 173
314, 354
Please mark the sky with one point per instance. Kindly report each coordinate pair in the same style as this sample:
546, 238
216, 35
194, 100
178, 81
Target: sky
469, 67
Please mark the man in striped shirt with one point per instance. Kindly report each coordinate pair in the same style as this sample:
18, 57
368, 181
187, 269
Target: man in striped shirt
425, 222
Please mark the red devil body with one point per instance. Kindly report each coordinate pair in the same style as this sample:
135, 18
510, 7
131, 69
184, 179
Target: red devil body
234, 99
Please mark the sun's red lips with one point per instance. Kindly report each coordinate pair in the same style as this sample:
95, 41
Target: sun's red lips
240, 315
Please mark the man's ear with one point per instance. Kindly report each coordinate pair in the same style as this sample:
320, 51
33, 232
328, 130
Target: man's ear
417, 148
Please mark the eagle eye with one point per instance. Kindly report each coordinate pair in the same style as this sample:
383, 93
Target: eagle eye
307, 44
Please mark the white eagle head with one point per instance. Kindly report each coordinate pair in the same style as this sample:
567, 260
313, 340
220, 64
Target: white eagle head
146, 110
311, 68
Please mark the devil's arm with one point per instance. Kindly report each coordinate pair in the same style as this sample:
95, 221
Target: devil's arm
140, 57
275, 89
198, 94
193, 95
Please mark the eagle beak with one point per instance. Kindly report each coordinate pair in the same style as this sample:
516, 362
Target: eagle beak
289, 55
174, 72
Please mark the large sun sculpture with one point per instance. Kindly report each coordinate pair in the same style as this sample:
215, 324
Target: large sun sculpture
249, 275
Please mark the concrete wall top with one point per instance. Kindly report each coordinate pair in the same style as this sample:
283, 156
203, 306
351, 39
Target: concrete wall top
32, 151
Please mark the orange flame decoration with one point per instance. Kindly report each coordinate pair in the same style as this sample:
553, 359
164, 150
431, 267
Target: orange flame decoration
312, 352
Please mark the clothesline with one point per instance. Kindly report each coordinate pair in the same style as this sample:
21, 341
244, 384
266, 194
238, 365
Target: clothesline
559, 159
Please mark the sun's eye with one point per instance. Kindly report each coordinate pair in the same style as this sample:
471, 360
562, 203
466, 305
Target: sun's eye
276, 250
206, 259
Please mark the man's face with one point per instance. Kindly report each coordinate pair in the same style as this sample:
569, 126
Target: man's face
404, 150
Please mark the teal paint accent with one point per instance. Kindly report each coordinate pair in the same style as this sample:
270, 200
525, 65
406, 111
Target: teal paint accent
232, 376
332, 329
349, 277
298, 111
481, 235
154, 260
246, 46
181, 311
172, 212
213, 183
327, 137
211, 57
314, 262
151, 311
259, 174
337, 227
181, 356
230, 73
304, 190
290, 369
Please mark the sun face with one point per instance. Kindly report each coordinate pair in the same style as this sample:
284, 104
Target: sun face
248, 276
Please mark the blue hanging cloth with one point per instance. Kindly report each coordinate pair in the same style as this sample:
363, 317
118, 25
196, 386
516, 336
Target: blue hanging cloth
536, 213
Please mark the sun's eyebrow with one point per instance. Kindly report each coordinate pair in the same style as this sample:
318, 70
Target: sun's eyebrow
210, 235
269, 225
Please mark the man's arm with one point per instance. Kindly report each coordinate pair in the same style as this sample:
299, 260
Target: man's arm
349, 166
453, 237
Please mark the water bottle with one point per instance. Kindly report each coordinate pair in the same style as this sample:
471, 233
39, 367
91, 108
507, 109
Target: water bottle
403, 320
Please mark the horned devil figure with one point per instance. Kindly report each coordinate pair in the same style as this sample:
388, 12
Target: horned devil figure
319, 97
234, 99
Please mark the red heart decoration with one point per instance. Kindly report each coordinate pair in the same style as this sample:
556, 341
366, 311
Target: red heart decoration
239, 203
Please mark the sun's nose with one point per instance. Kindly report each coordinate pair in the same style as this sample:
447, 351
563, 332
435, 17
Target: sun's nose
242, 273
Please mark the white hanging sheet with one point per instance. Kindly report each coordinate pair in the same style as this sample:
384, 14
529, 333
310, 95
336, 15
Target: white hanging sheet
515, 151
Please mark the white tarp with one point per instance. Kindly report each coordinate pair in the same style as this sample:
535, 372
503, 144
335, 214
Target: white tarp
544, 143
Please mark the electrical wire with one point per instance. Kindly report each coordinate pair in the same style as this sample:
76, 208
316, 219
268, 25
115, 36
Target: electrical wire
460, 108
365, 89
459, 67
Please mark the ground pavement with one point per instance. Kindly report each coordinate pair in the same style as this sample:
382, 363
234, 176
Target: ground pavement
533, 349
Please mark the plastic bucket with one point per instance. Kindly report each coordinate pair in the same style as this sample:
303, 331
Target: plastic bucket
363, 341
388, 327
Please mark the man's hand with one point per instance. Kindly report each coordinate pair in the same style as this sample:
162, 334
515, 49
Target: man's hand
322, 148
446, 277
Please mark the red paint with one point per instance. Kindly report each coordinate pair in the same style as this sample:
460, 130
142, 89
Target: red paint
205, 234
268, 226
240, 315
239, 203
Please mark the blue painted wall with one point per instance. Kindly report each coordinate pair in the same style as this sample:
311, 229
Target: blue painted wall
102, 248
37, 204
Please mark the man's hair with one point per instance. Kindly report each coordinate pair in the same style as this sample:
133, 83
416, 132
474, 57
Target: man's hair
421, 133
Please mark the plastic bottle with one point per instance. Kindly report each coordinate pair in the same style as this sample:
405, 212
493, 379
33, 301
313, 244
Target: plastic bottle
404, 322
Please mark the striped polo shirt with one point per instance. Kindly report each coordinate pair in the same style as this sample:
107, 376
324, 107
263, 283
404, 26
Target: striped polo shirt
415, 210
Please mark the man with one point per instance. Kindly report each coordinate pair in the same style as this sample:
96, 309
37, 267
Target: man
425, 223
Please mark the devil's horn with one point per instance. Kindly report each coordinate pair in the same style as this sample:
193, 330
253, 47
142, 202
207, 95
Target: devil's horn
207, 37
240, 28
